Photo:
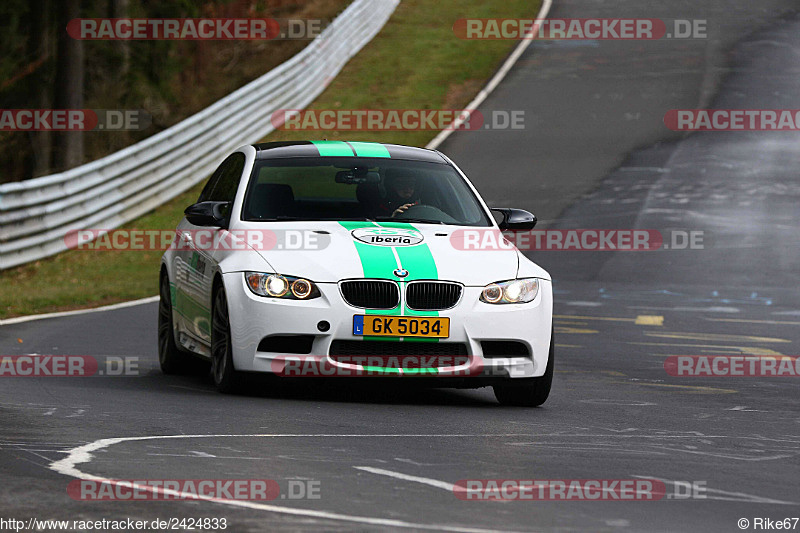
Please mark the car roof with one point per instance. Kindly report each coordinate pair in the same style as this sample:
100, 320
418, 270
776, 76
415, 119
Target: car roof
325, 148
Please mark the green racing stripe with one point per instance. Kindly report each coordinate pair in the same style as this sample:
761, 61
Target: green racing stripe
380, 262
349, 149
363, 149
333, 148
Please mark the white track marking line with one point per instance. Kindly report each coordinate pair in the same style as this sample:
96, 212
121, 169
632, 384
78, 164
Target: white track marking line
496, 79
398, 475
83, 454
121, 305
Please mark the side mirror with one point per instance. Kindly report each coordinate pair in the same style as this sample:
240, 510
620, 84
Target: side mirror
214, 214
515, 219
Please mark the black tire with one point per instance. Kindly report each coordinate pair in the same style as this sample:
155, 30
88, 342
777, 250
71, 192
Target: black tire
225, 376
170, 357
528, 392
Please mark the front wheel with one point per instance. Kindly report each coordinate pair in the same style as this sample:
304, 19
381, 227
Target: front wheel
528, 392
225, 376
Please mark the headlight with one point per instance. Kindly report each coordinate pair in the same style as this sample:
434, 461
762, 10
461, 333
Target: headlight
278, 286
515, 291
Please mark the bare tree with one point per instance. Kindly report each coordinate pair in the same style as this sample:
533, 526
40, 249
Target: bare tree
68, 146
39, 46
119, 9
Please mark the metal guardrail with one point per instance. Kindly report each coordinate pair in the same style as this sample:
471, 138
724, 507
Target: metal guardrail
36, 214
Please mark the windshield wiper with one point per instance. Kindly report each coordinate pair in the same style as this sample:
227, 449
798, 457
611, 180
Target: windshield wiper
313, 219
409, 220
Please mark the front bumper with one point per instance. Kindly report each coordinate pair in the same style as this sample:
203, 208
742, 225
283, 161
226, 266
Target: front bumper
253, 318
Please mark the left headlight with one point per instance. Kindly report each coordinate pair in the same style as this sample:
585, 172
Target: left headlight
515, 291
278, 286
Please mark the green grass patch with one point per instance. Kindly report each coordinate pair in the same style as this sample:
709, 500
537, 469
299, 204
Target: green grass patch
416, 62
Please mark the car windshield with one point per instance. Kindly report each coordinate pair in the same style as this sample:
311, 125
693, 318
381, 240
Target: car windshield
345, 188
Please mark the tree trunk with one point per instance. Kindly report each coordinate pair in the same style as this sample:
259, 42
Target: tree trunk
39, 46
119, 10
68, 151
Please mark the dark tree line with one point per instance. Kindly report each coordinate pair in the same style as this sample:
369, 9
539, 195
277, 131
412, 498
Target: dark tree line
42, 67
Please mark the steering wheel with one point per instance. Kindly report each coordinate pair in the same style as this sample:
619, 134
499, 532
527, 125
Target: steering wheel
427, 212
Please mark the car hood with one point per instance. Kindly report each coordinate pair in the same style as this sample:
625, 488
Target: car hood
332, 251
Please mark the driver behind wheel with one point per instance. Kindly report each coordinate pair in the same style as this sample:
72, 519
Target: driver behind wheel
401, 191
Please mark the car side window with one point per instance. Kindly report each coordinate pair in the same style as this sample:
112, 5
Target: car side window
225, 180
211, 183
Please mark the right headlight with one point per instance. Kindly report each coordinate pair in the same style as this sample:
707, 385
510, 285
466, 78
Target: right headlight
515, 291
278, 286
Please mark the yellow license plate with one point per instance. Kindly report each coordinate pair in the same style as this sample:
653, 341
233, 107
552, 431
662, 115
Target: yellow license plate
401, 326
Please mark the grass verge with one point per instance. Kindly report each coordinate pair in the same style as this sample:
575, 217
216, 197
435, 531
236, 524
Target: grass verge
416, 62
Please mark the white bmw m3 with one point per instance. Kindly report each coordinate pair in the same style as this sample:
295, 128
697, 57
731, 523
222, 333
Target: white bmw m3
332, 258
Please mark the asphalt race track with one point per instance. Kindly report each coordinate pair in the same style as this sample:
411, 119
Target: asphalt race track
594, 154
